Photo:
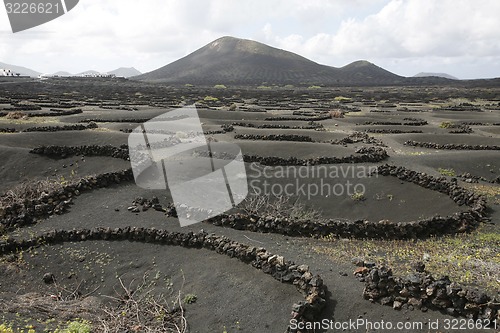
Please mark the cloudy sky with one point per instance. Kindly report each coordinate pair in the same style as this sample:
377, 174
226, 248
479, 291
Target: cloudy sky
459, 37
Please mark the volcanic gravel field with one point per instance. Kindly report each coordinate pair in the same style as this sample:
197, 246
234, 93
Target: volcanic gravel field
303, 137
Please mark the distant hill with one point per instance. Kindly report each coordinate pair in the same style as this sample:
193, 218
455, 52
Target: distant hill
125, 72
19, 69
442, 75
230, 60
62, 73
362, 71
121, 72
89, 72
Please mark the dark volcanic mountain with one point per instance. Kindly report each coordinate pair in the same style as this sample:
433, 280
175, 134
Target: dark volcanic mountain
363, 71
229, 60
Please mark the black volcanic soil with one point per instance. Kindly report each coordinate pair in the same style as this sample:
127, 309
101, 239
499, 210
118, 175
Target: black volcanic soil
317, 136
458, 139
228, 291
296, 149
231, 296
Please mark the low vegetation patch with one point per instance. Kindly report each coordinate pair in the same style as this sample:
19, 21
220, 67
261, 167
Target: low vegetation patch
470, 259
336, 114
358, 196
342, 99
137, 307
142, 309
210, 99
190, 299
447, 172
78, 327
16, 115
491, 192
75, 326
416, 153
445, 124
31, 190
279, 207
28, 120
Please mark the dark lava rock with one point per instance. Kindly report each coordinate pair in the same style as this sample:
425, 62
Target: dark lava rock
414, 278
49, 278
419, 266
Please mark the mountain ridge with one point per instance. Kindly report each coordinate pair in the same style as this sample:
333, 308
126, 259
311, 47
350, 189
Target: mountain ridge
241, 62
441, 75
230, 60
125, 72
121, 71
20, 69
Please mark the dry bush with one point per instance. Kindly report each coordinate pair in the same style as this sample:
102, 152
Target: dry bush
16, 115
43, 308
141, 309
336, 114
30, 190
135, 309
279, 207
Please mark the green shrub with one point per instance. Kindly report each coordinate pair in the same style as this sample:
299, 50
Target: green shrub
210, 99
190, 298
358, 196
469, 258
6, 329
220, 86
77, 326
447, 172
341, 99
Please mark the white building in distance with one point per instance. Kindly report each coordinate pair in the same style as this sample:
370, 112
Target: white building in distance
8, 72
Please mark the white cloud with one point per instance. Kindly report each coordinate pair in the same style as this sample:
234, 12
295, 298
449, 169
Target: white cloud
150, 34
460, 30
424, 28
